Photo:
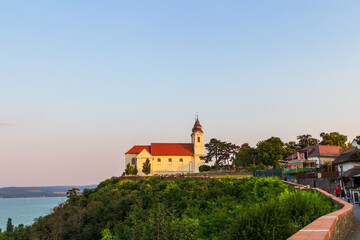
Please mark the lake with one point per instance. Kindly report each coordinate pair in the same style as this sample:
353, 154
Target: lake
24, 210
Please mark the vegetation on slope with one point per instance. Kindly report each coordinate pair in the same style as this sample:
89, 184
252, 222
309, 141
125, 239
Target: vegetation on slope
152, 208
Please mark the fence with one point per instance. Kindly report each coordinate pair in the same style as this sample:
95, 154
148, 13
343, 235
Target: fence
267, 173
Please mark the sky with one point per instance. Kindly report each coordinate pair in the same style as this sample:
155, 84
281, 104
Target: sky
81, 82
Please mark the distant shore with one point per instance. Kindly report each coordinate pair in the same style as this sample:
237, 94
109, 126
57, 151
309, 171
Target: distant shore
38, 192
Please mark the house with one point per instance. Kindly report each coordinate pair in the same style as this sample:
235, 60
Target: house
170, 158
313, 156
348, 165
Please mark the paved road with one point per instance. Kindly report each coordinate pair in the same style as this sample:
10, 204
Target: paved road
355, 235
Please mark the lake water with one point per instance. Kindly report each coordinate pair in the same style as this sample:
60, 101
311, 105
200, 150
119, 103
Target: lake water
24, 210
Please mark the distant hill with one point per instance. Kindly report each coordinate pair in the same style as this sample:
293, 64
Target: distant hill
52, 191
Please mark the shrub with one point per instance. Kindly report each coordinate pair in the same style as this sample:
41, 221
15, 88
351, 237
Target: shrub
152, 208
204, 168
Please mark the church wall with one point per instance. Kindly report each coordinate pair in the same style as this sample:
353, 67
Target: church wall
128, 158
175, 166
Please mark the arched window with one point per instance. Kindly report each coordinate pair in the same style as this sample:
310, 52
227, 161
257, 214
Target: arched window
170, 160
158, 160
133, 161
198, 139
181, 160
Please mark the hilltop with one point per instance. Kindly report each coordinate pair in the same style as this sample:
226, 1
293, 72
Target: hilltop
185, 208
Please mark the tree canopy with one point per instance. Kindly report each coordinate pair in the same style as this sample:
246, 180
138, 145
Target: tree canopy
270, 151
146, 167
220, 152
306, 140
130, 170
333, 138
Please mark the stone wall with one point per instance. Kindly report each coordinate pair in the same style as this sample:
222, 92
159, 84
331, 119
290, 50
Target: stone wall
334, 226
322, 183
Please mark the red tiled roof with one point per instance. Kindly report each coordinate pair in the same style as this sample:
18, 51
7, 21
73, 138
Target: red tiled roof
324, 151
138, 148
165, 149
318, 151
161, 149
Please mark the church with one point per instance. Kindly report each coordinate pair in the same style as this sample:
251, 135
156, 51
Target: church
170, 158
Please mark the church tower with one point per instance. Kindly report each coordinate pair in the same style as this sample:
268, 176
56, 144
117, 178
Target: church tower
197, 141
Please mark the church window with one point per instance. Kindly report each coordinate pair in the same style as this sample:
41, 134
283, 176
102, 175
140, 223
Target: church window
181, 160
133, 161
170, 160
158, 160
198, 139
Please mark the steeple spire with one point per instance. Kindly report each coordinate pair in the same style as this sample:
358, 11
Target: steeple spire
197, 125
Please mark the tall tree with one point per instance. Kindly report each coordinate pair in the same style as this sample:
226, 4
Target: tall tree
231, 150
146, 167
135, 171
9, 226
290, 148
306, 140
333, 138
270, 151
215, 151
245, 156
130, 170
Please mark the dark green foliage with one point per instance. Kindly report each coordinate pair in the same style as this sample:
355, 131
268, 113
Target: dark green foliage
357, 140
306, 140
271, 151
151, 208
204, 168
130, 170
220, 152
9, 226
333, 138
246, 156
146, 167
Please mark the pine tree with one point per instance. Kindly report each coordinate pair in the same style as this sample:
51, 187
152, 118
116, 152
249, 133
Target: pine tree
146, 167
9, 226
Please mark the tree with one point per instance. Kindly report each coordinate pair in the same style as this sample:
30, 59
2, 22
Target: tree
130, 170
291, 148
333, 138
204, 168
216, 151
135, 171
306, 140
271, 151
9, 226
357, 140
245, 156
146, 167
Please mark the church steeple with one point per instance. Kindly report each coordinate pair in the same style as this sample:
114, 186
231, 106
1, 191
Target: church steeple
197, 125
198, 142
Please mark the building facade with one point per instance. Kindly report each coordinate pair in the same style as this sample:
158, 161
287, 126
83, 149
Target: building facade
170, 158
313, 156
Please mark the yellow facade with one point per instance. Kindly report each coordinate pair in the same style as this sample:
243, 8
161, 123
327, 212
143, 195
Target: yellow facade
170, 163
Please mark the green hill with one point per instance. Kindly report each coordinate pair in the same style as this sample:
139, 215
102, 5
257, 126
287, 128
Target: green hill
153, 208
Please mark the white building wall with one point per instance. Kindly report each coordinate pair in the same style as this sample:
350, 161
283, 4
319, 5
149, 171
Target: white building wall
347, 166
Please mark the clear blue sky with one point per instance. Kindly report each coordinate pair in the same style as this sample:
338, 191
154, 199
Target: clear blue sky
83, 81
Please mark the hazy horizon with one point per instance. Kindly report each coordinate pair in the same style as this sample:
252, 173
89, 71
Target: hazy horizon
82, 82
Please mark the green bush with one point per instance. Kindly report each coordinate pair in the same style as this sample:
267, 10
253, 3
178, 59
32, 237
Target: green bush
152, 208
204, 168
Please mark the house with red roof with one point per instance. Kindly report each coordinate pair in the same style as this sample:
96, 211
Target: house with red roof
313, 156
170, 158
